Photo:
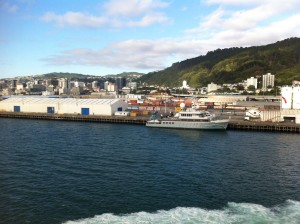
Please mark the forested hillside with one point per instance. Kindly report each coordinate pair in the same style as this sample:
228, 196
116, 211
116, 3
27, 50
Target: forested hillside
234, 65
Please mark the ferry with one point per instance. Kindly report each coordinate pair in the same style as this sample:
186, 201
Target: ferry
191, 118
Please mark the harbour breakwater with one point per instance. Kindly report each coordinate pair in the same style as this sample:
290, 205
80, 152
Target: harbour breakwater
234, 124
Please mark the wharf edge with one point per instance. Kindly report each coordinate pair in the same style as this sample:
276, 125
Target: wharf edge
76, 117
233, 125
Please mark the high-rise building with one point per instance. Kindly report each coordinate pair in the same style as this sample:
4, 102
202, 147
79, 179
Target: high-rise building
106, 85
268, 81
76, 84
64, 83
14, 83
94, 84
120, 82
110, 87
20, 86
252, 82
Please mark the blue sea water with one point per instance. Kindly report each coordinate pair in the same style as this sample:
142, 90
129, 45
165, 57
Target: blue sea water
73, 172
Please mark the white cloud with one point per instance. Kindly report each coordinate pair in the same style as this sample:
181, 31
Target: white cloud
244, 2
118, 13
231, 2
130, 54
130, 8
261, 14
224, 18
212, 20
254, 25
148, 20
8, 7
253, 36
152, 55
74, 19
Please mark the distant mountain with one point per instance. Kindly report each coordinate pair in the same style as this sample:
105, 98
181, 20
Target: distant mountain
126, 75
58, 75
233, 65
73, 76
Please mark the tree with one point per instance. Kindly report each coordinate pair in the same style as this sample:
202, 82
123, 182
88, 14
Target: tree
240, 87
251, 88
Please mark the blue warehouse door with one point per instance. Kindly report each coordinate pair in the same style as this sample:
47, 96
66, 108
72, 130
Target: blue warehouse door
17, 108
50, 110
85, 111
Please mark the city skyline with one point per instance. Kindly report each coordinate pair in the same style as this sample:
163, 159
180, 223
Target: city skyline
110, 37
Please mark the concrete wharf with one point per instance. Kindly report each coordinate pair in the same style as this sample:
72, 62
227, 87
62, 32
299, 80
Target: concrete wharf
264, 126
234, 124
77, 117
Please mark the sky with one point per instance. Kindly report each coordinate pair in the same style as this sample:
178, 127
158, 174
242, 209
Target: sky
98, 37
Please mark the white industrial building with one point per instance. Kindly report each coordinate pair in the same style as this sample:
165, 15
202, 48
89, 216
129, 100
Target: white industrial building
290, 106
290, 97
223, 99
63, 105
290, 103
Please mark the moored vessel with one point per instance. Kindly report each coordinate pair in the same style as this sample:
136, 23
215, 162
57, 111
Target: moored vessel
191, 118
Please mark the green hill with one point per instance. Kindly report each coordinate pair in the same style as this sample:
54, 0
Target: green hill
233, 65
77, 76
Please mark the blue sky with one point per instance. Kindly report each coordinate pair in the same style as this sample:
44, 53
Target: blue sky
109, 37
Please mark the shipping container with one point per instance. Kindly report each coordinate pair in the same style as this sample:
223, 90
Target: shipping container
133, 108
144, 104
177, 109
150, 108
132, 114
121, 113
146, 112
218, 107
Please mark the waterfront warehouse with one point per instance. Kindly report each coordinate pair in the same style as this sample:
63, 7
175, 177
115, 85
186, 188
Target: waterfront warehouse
104, 107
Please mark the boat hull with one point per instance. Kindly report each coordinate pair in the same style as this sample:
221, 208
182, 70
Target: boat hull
211, 125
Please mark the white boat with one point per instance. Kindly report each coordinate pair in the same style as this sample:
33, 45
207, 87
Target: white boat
189, 119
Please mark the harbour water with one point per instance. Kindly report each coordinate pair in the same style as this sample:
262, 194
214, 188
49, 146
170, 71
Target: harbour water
73, 172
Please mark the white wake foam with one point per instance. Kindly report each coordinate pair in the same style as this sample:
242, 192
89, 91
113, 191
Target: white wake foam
233, 213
